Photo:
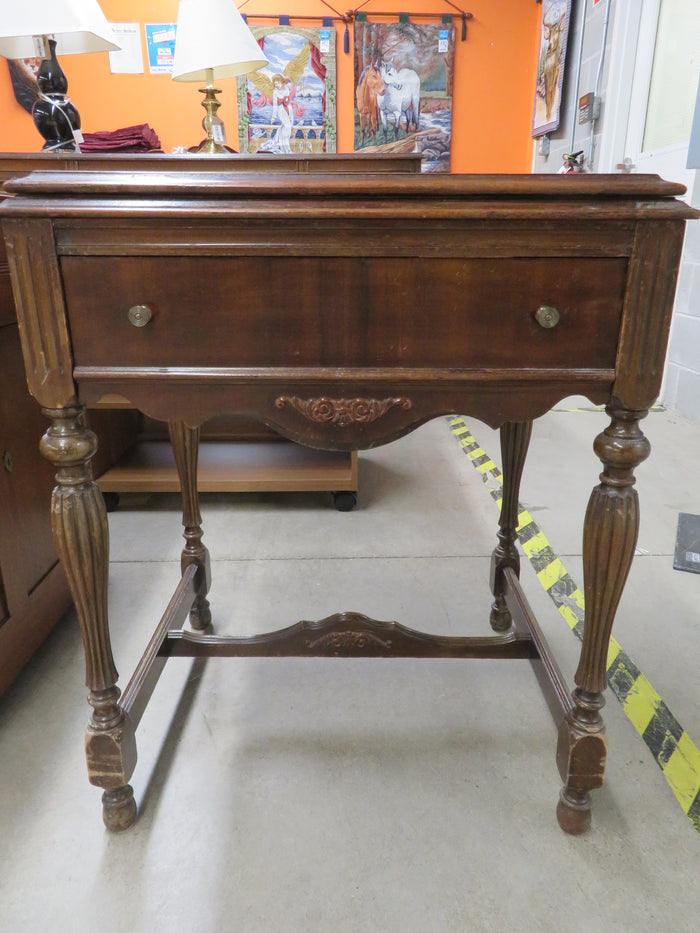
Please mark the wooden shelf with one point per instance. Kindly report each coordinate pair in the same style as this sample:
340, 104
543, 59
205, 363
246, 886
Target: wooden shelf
237, 466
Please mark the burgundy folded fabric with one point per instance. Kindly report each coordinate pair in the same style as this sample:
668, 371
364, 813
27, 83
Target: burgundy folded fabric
141, 138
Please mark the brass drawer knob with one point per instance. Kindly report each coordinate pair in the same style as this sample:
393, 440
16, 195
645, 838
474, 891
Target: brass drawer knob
139, 315
547, 316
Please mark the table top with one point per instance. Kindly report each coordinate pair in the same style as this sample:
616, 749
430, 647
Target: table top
97, 190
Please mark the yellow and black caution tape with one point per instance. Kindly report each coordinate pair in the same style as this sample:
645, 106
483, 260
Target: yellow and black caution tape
674, 752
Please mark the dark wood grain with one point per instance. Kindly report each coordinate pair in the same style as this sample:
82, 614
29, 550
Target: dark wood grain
42, 320
515, 440
185, 444
18, 164
343, 309
638, 192
143, 681
348, 635
34, 593
644, 334
335, 313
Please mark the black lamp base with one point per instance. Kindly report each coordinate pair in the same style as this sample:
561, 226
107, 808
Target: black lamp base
56, 118
54, 115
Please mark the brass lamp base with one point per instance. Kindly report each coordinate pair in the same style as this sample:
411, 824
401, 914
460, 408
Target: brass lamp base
215, 143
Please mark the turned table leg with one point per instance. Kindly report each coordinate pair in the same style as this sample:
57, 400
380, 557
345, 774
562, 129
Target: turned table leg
609, 539
185, 443
515, 439
79, 523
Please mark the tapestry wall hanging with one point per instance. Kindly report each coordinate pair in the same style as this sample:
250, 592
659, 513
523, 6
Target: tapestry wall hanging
289, 106
550, 70
403, 90
23, 73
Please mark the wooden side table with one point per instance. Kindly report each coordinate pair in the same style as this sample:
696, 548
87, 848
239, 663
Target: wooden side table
364, 306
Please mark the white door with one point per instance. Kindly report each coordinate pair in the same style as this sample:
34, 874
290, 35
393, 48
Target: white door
647, 118
656, 67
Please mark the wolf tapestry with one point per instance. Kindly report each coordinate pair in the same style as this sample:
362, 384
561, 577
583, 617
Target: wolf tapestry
403, 90
289, 106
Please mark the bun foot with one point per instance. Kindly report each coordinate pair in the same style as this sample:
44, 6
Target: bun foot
119, 809
574, 812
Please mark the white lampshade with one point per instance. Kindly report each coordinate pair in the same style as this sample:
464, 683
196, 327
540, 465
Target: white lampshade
213, 37
76, 25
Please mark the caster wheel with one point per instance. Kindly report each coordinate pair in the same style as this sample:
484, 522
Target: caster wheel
111, 500
345, 501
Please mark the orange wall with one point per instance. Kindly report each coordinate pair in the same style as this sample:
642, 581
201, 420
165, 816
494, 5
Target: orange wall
494, 84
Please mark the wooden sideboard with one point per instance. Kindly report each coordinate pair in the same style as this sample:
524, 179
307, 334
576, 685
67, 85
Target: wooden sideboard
388, 300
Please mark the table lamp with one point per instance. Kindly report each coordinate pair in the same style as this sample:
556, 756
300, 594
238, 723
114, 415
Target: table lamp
213, 42
35, 29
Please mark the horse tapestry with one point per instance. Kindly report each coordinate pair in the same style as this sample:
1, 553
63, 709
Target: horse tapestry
550, 69
289, 106
403, 90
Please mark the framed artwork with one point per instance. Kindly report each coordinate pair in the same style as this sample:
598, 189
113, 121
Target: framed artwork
289, 106
403, 90
550, 70
23, 73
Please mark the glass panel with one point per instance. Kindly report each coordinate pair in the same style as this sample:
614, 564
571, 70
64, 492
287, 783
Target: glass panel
674, 77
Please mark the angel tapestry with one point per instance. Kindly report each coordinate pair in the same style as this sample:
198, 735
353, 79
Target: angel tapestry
289, 106
403, 90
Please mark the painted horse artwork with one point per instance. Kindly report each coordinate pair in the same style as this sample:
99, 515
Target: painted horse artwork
369, 88
403, 90
400, 100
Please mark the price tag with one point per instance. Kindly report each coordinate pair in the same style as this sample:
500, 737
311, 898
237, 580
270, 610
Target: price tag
41, 47
219, 133
325, 40
77, 135
443, 40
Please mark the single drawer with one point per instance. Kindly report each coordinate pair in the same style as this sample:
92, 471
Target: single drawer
333, 311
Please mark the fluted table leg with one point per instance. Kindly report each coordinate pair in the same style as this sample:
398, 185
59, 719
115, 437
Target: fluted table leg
515, 439
609, 539
79, 523
185, 443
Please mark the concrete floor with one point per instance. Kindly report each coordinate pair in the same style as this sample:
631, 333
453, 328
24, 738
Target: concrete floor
336, 795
